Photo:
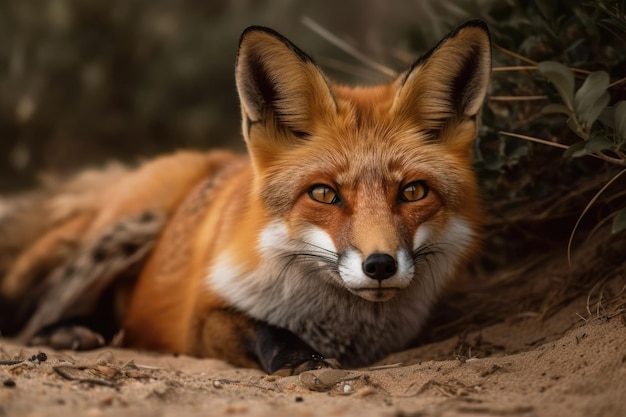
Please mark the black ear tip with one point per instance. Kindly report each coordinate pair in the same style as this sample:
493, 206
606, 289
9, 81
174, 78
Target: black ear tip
256, 28
271, 32
252, 29
475, 23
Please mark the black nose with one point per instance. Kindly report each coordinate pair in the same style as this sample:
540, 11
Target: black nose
380, 266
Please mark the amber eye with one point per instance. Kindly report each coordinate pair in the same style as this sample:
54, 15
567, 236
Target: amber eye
323, 194
414, 191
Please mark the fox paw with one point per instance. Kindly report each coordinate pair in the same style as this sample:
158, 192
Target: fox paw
68, 337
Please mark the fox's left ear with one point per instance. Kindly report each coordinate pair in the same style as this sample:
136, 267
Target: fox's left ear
450, 81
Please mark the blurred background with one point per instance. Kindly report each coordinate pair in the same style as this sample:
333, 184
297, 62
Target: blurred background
84, 81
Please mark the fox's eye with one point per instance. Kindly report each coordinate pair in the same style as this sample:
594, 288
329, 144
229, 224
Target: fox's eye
415, 191
323, 194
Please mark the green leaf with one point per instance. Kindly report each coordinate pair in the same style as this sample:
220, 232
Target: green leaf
607, 117
571, 123
596, 110
620, 119
598, 144
592, 97
576, 150
556, 108
619, 223
562, 78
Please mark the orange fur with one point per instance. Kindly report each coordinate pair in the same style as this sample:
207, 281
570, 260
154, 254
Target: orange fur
221, 263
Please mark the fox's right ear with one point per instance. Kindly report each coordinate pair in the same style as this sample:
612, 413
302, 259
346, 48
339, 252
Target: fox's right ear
279, 84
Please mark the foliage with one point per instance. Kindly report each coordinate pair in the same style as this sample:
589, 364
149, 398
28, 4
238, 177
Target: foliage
583, 109
578, 47
82, 81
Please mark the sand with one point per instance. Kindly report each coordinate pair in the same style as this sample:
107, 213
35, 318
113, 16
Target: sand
571, 364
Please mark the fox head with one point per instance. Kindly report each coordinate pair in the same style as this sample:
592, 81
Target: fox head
372, 185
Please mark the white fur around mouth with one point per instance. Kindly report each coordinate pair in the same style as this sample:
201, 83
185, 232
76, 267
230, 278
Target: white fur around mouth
376, 294
353, 277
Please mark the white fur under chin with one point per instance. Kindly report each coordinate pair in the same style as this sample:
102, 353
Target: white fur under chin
314, 303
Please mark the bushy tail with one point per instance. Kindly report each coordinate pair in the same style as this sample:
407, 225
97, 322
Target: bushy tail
63, 246
40, 230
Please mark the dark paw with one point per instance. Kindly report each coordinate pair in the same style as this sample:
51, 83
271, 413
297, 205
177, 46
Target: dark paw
316, 362
281, 352
72, 337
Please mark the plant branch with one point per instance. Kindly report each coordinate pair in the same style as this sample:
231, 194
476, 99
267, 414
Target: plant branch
606, 158
616, 161
335, 40
618, 82
515, 55
533, 139
530, 61
515, 68
517, 98
591, 202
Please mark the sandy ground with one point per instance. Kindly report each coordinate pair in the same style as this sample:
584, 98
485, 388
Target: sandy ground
572, 364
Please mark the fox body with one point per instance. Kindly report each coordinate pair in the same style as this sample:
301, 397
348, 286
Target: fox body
332, 239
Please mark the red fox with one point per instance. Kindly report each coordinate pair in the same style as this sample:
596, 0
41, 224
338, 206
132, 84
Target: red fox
326, 246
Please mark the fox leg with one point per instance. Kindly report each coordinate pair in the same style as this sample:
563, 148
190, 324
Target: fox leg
81, 332
283, 353
235, 338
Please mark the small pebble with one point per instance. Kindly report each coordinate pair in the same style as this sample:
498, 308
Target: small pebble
299, 399
9, 383
347, 388
323, 379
